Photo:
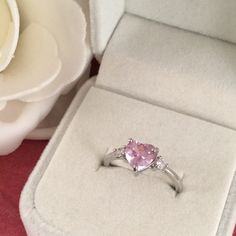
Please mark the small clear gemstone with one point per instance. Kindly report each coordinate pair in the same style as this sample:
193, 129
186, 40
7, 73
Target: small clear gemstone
161, 164
139, 155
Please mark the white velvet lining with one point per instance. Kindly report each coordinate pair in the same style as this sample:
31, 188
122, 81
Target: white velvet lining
228, 219
71, 199
215, 18
104, 16
34, 223
180, 70
82, 198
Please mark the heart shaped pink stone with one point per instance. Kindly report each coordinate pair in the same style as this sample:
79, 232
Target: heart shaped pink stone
139, 155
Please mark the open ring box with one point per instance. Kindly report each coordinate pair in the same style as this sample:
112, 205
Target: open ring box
167, 77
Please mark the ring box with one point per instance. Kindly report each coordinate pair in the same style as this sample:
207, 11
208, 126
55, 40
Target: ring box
167, 78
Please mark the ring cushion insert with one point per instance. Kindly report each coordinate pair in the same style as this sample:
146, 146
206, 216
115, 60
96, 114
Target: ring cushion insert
147, 68
176, 69
213, 18
85, 198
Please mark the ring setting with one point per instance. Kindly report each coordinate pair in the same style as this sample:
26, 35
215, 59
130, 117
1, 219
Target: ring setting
140, 157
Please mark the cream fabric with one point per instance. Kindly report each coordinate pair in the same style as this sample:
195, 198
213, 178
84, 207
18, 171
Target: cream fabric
228, 219
189, 73
79, 197
215, 18
69, 193
104, 16
33, 222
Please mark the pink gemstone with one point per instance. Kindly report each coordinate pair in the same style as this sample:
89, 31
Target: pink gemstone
140, 156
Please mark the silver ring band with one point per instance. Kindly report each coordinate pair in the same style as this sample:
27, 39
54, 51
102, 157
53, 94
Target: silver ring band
140, 151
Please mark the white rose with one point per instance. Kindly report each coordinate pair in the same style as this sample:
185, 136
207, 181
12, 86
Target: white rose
43, 51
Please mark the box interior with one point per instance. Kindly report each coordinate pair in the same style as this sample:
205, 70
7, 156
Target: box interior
81, 196
148, 67
180, 70
214, 18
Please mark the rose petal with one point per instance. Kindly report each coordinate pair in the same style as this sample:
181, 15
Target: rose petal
5, 21
2, 105
19, 119
65, 20
9, 25
35, 65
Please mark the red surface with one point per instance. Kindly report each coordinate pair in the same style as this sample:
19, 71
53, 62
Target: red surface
14, 171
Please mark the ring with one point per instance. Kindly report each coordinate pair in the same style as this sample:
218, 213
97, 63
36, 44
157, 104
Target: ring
141, 157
